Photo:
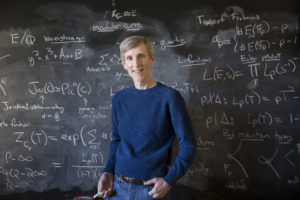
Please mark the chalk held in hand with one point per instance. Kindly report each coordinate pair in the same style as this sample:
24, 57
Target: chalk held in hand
96, 195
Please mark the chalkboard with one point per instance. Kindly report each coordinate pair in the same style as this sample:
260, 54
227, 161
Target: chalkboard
236, 63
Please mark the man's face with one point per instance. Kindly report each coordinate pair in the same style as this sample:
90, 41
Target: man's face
138, 62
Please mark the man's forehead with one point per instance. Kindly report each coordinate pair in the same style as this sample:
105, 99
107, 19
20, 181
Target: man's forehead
139, 49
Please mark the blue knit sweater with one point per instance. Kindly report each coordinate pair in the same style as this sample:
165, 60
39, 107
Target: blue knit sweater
144, 124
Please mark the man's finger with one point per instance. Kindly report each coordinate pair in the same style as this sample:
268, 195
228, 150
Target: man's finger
106, 193
150, 182
154, 190
110, 192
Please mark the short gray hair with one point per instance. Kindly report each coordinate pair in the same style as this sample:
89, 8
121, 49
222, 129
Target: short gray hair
132, 42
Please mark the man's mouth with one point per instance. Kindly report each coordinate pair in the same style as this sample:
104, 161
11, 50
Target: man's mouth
137, 70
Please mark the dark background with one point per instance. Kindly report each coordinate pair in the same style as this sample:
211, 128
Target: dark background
245, 114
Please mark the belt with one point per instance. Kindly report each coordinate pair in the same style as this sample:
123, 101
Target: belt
130, 180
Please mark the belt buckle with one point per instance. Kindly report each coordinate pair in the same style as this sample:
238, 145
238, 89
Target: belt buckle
129, 180
124, 178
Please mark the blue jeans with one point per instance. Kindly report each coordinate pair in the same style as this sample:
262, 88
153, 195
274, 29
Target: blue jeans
127, 191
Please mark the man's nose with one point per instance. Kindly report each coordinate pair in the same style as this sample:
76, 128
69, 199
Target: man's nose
136, 62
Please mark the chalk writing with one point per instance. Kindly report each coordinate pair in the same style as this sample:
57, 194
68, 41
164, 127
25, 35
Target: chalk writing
268, 161
110, 26
199, 168
204, 144
171, 43
118, 15
50, 55
236, 185
63, 39
222, 73
235, 16
2, 84
76, 88
22, 38
5, 56
191, 61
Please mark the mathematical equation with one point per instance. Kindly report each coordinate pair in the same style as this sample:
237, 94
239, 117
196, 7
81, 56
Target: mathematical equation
86, 137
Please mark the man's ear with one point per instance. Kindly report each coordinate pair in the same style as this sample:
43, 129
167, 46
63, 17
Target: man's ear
152, 58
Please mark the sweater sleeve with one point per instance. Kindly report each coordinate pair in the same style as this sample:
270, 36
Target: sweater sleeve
185, 134
110, 165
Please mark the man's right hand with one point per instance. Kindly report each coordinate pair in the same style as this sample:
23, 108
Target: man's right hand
105, 185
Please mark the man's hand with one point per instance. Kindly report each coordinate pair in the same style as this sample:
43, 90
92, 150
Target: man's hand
105, 185
160, 189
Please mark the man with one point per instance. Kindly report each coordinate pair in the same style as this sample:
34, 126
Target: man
145, 119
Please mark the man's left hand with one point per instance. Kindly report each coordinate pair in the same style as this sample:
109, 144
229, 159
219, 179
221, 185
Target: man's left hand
160, 189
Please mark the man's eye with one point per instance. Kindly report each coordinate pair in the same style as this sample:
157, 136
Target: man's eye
142, 56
